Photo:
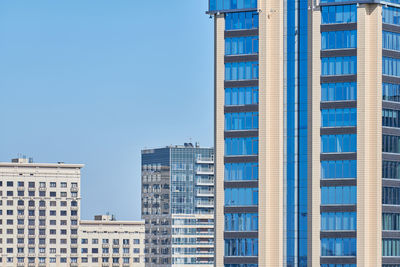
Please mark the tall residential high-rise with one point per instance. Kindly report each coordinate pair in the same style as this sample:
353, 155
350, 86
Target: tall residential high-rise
178, 205
307, 107
40, 223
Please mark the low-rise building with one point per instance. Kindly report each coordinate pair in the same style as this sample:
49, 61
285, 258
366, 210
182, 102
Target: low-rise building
105, 241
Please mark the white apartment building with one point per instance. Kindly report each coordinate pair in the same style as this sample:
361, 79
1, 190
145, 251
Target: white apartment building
105, 242
39, 217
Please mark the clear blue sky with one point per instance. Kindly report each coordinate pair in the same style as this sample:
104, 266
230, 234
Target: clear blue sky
96, 81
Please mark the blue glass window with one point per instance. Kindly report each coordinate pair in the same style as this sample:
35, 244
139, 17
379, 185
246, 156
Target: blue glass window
342, 265
391, 144
338, 247
339, 14
241, 171
338, 169
241, 121
231, 4
241, 71
391, 221
241, 45
391, 247
391, 15
241, 21
338, 195
241, 221
241, 96
390, 66
338, 221
391, 195
391, 92
339, 39
241, 146
391, 40
339, 143
241, 197
339, 66
339, 117
338, 91
241, 247
390, 118
391, 169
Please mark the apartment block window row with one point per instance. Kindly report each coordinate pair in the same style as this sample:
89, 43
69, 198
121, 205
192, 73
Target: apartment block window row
338, 195
232, 4
391, 66
338, 246
241, 146
391, 221
241, 96
338, 221
391, 247
338, 143
241, 20
391, 40
391, 195
338, 91
241, 121
241, 196
241, 247
390, 15
339, 14
391, 169
241, 45
241, 265
391, 118
340, 117
241, 71
241, 171
391, 92
391, 144
241, 222
339, 39
338, 66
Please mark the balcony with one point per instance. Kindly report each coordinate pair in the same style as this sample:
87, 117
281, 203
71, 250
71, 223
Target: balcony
204, 204
21, 188
106, 245
20, 207
73, 264
74, 189
21, 216
74, 208
42, 188
115, 246
205, 171
205, 160
204, 193
204, 182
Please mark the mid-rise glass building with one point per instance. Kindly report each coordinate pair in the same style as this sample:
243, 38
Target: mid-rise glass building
178, 205
307, 106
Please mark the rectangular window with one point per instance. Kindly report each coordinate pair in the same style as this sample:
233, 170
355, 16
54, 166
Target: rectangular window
341, 117
338, 195
241, 247
340, 221
391, 169
339, 14
241, 171
241, 45
241, 96
241, 121
241, 71
241, 222
338, 40
338, 91
241, 146
338, 247
241, 21
241, 196
338, 66
339, 143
